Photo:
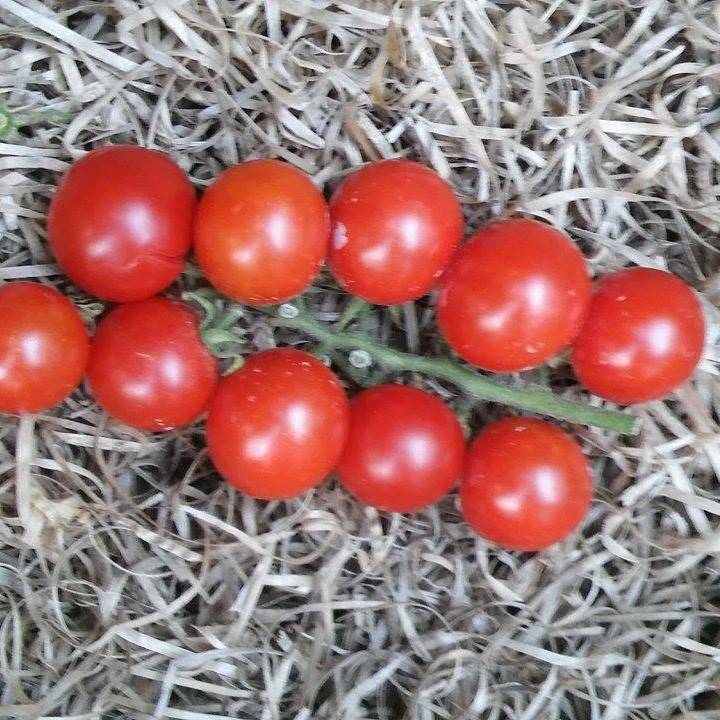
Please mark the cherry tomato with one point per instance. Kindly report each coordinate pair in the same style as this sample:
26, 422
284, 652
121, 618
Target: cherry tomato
526, 485
643, 336
262, 232
514, 295
405, 448
148, 366
121, 220
43, 347
395, 226
277, 426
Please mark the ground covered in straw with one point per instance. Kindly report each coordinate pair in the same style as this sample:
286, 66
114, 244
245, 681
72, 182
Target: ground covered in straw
135, 584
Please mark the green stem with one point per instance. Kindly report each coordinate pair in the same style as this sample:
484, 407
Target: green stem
354, 307
7, 124
228, 320
206, 304
530, 399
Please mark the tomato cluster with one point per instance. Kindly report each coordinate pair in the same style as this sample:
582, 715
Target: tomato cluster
510, 298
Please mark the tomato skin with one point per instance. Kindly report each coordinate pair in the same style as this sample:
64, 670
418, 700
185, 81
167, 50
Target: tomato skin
526, 485
514, 295
120, 222
395, 226
643, 336
149, 367
262, 232
43, 347
277, 426
405, 448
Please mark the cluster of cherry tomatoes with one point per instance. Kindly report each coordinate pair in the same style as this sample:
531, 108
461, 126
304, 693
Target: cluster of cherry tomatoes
512, 297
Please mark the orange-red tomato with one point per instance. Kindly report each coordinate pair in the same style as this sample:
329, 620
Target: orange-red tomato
526, 485
148, 366
120, 222
262, 232
395, 226
514, 295
277, 426
43, 347
405, 448
643, 336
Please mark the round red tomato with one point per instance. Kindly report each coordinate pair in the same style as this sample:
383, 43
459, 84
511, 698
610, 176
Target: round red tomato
643, 336
43, 347
404, 451
262, 232
120, 223
277, 426
526, 485
514, 295
395, 226
148, 366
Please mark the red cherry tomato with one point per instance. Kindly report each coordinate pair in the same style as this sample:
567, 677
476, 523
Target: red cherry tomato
148, 366
643, 336
120, 222
395, 226
514, 295
405, 448
527, 484
43, 347
277, 426
262, 232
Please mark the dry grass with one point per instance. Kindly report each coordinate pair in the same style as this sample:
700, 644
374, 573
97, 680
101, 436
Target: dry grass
134, 584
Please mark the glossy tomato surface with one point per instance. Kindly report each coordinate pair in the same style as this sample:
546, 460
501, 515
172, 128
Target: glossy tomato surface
405, 448
395, 226
120, 223
43, 347
277, 426
514, 295
526, 484
262, 232
148, 366
643, 336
